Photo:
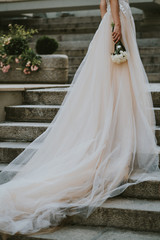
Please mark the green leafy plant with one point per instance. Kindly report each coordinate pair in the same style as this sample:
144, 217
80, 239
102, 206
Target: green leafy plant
46, 45
14, 48
30, 61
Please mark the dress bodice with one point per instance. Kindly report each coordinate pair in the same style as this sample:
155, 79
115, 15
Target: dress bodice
124, 6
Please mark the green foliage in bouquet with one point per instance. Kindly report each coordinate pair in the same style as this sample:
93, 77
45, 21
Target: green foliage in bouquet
14, 45
46, 45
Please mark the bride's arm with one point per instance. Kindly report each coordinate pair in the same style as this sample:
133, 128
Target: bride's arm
103, 7
116, 18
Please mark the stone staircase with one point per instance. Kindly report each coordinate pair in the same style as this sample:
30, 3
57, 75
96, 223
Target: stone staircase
134, 215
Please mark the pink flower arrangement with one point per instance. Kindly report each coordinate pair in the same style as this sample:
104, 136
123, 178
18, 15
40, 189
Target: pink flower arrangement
6, 68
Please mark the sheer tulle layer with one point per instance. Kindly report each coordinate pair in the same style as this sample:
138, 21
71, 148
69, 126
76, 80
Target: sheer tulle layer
103, 133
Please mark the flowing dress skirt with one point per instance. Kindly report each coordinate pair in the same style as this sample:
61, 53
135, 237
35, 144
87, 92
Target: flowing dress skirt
102, 134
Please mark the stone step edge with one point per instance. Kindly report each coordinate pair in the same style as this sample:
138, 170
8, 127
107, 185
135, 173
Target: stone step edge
25, 87
90, 233
152, 87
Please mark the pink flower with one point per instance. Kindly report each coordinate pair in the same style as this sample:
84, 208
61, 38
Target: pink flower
28, 64
5, 69
34, 68
26, 71
1, 64
16, 60
8, 66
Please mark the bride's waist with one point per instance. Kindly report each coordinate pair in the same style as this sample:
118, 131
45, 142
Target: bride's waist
124, 6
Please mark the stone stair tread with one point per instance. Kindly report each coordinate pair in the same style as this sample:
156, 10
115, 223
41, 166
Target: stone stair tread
23, 124
155, 176
55, 89
34, 106
95, 233
133, 204
151, 86
23, 87
13, 144
154, 87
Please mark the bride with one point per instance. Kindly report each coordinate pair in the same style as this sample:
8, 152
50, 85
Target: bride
102, 134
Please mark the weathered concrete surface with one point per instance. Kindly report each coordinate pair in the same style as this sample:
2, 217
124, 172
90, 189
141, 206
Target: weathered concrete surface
54, 69
8, 98
47, 96
55, 96
135, 214
10, 150
21, 131
31, 113
158, 135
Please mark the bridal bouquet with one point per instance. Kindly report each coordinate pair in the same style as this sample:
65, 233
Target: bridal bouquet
120, 55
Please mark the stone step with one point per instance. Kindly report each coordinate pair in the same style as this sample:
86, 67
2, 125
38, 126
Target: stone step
28, 131
55, 96
150, 59
158, 135
90, 233
146, 59
52, 96
152, 77
149, 34
134, 214
81, 51
10, 150
150, 68
21, 131
65, 39
81, 41
145, 190
33, 113
42, 113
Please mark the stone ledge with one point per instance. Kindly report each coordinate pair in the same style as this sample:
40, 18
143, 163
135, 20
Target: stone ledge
54, 69
24, 87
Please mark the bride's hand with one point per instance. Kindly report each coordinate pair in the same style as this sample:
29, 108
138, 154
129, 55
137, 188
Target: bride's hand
116, 35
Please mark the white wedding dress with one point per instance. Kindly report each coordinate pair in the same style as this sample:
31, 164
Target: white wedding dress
103, 133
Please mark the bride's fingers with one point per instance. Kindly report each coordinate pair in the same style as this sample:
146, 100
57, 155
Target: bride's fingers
116, 37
